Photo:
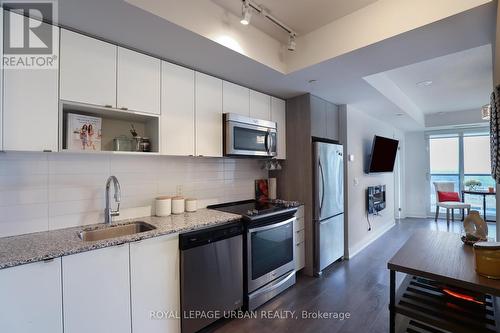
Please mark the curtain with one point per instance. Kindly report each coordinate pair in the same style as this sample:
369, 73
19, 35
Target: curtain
495, 134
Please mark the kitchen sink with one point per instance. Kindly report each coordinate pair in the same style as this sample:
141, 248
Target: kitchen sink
114, 231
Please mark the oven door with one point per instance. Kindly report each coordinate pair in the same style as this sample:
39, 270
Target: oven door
249, 140
270, 253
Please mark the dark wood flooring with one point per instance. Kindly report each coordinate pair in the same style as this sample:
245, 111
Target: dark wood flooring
359, 286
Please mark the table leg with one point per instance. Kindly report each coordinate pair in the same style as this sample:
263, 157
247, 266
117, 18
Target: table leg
484, 206
392, 300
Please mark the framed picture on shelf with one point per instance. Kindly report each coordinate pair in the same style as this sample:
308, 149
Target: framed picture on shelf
83, 132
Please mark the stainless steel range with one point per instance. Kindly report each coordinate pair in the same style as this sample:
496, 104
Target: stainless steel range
268, 248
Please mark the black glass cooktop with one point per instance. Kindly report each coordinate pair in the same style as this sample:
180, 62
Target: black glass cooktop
255, 209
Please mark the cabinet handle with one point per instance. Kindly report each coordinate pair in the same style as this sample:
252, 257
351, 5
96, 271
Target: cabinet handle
124, 108
48, 260
47, 151
108, 106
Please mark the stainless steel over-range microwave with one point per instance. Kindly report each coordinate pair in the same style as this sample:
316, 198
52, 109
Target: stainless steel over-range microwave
244, 136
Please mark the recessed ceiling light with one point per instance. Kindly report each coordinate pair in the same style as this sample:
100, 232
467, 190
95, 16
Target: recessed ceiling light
424, 83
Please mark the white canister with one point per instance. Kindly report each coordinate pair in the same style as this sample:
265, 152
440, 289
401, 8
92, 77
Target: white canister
191, 205
163, 206
272, 188
177, 205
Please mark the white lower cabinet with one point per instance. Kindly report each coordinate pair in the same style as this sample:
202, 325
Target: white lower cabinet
30, 298
298, 228
96, 291
154, 281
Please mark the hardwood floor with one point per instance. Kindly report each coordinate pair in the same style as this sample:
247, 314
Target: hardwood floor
359, 286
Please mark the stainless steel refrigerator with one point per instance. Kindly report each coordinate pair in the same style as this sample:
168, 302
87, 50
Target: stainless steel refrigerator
328, 214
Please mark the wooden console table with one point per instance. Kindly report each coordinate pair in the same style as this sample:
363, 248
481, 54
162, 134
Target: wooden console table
433, 259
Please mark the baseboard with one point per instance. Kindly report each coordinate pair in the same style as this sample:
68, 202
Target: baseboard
380, 232
417, 216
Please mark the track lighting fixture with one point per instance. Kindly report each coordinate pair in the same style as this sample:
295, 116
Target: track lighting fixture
291, 42
248, 7
246, 13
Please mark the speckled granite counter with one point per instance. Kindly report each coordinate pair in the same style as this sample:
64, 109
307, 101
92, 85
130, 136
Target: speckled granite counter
23, 249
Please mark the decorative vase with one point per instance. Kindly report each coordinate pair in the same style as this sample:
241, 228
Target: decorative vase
476, 229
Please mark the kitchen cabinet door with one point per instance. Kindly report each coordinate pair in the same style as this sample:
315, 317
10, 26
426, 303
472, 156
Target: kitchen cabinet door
154, 279
177, 110
260, 105
278, 115
208, 106
31, 298
31, 106
87, 70
96, 291
235, 99
332, 122
318, 117
138, 82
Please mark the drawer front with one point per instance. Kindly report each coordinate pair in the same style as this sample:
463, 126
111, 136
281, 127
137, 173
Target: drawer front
299, 236
298, 224
300, 256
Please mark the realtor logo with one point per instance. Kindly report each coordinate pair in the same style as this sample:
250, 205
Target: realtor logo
30, 42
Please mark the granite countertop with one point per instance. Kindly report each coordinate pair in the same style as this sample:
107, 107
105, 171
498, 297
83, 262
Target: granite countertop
23, 249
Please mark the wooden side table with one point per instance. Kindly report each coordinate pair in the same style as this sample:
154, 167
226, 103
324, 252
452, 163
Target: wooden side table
435, 260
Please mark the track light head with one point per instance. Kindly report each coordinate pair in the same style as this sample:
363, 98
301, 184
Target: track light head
291, 42
246, 13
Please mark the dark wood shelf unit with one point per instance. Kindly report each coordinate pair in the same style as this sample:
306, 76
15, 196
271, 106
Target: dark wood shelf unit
429, 309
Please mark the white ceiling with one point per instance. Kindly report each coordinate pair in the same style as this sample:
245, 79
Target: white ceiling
460, 81
340, 80
303, 16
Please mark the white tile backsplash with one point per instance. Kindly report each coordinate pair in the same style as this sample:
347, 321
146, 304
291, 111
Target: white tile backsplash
46, 191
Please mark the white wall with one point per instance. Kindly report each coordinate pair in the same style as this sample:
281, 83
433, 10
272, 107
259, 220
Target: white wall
46, 191
458, 118
416, 182
361, 128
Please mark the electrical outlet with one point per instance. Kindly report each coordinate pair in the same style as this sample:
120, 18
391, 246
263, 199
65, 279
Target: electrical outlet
178, 190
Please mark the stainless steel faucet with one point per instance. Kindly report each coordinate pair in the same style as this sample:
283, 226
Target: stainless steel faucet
108, 212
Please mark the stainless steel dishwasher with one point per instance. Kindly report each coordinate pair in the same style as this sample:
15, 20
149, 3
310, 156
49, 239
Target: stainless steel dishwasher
211, 275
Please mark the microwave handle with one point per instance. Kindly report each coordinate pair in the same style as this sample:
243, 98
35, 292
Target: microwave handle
268, 142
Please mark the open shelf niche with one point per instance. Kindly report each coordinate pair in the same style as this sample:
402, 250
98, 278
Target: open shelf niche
115, 123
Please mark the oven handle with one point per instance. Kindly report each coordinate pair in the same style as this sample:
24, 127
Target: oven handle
271, 226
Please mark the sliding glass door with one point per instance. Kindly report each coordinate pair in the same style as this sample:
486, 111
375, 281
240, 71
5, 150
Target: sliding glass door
459, 157
477, 167
444, 163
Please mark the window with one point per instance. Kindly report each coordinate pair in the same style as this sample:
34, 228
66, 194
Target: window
458, 157
444, 163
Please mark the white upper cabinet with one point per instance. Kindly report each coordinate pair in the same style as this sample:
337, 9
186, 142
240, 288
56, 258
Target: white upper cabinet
31, 299
208, 105
235, 99
177, 110
96, 291
278, 115
87, 70
31, 106
154, 280
260, 105
138, 82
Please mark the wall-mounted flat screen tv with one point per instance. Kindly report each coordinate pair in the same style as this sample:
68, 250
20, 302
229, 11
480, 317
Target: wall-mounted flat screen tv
383, 156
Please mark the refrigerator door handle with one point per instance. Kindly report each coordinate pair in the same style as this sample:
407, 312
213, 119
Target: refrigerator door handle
322, 187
